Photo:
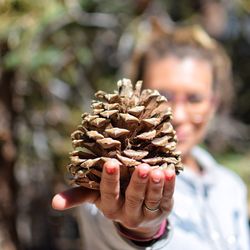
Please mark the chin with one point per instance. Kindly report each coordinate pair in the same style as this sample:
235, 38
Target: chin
184, 148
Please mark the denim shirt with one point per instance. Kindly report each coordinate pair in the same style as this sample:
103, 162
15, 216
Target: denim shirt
209, 213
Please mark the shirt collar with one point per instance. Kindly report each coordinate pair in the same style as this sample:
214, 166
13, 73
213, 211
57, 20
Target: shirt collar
207, 163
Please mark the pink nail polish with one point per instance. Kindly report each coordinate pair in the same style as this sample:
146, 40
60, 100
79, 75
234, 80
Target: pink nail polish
169, 175
110, 170
143, 170
156, 176
143, 174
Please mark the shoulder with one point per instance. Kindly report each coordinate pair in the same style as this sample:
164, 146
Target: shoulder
230, 177
223, 174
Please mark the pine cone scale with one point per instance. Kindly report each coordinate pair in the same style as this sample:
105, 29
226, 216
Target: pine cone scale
130, 125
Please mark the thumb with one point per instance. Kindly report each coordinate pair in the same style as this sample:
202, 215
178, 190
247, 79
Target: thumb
74, 197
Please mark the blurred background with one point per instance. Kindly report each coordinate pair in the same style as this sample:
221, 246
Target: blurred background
54, 55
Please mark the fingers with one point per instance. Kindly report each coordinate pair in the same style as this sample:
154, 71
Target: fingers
135, 194
110, 189
73, 197
154, 192
154, 187
168, 190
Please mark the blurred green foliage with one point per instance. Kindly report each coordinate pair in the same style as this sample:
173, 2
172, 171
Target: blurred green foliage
60, 52
239, 163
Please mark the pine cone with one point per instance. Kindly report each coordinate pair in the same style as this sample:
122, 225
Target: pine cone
130, 125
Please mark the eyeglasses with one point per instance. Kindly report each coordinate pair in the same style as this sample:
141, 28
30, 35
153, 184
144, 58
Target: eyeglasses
194, 104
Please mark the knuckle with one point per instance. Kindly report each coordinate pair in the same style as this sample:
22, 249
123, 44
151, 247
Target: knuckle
109, 195
156, 188
168, 206
109, 188
153, 203
105, 180
109, 214
134, 201
168, 194
138, 186
131, 223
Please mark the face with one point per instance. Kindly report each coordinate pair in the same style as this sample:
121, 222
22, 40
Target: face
187, 84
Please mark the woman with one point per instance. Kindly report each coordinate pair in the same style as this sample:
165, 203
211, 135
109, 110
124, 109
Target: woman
209, 209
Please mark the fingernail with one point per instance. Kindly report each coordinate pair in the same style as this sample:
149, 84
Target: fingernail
157, 175
58, 202
143, 171
156, 180
169, 178
143, 174
110, 170
169, 174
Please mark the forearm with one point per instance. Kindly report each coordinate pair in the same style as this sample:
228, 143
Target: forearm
142, 233
147, 236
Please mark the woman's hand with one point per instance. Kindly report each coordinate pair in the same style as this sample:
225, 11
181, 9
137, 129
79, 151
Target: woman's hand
148, 198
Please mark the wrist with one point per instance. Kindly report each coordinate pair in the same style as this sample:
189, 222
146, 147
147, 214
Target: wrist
142, 235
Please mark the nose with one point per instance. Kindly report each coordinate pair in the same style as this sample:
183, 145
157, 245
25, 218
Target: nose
179, 113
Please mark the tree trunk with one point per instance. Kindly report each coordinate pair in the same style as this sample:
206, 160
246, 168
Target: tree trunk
8, 185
